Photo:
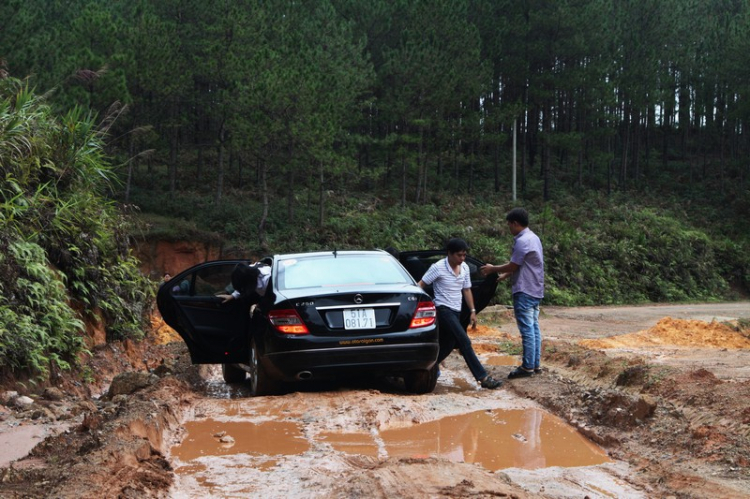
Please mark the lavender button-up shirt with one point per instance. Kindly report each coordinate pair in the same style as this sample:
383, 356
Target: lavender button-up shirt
529, 256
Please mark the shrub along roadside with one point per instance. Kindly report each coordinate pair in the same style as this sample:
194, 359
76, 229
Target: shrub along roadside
598, 250
63, 245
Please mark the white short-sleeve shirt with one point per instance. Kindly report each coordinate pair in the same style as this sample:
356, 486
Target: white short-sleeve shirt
447, 286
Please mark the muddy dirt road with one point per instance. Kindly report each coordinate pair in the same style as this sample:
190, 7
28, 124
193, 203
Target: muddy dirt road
634, 402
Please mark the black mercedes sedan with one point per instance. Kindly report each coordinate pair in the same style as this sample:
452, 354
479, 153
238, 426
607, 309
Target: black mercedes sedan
324, 315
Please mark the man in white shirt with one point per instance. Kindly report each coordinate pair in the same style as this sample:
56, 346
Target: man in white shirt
450, 281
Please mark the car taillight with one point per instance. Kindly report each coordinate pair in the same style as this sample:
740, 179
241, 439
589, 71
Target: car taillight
425, 315
287, 322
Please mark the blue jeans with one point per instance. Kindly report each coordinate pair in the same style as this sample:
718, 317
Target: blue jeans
526, 309
452, 334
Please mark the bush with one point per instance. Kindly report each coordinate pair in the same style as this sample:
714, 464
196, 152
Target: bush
65, 243
38, 329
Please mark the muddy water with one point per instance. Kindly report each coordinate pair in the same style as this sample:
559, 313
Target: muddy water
494, 439
365, 436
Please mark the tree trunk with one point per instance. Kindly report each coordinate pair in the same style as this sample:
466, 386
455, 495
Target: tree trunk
290, 195
625, 145
322, 198
636, 144
496, 159
684, 125
403, 179
173, 162
420, 166
290, 186
239, 171
220, 175
263, 171
131, 164
199, 172
523, 162
546, 149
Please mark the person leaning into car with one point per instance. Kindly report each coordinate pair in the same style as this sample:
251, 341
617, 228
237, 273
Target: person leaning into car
450, 280
249, 281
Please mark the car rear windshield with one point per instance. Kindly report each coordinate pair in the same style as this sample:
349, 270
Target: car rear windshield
342, 270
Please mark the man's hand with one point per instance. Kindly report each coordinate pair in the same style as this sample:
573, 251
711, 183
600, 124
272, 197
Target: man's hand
506, 268
487, 269
225, 298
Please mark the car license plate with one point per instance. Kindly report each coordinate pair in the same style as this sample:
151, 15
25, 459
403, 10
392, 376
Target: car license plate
359, 318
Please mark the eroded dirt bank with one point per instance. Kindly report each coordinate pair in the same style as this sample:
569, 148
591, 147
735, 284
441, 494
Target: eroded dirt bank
675, 415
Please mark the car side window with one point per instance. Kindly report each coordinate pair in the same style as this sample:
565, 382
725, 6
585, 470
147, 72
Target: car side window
181, 287
214, 280
208, 281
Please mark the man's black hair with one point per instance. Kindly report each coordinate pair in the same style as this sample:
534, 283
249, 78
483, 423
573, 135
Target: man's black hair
456, 245
518, 215
245, 277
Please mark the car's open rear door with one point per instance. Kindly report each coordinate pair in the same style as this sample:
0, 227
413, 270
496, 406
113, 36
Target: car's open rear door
214, 332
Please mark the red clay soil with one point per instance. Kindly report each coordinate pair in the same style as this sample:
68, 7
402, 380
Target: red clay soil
684, 431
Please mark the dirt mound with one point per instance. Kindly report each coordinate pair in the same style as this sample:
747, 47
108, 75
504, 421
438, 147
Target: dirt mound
161, 332
481, 333
486, 331
677, 332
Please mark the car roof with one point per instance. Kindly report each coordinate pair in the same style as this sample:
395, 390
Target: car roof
332, 253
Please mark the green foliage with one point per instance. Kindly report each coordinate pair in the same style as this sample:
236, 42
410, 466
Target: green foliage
341, 123
38, 329
66, 244
742, 326
510, 347
631, 254
597, 251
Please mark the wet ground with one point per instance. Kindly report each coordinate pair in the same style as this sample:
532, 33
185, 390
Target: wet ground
628, 417
312, 434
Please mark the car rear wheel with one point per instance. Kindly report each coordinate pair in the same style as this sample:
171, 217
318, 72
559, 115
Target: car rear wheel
232, 373
422, 381
260, 382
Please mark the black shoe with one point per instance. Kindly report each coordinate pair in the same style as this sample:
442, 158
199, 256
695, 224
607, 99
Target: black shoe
538, 370
491, 383
520, 372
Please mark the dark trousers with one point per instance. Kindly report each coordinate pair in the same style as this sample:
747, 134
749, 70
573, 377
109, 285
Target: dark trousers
453, 335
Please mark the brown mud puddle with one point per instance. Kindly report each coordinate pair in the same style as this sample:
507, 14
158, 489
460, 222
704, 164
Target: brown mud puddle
496, 439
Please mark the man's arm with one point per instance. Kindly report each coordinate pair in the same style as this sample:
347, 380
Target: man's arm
506, 268
228, 297
470, 302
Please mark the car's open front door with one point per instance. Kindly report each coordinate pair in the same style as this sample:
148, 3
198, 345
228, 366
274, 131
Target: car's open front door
215, 332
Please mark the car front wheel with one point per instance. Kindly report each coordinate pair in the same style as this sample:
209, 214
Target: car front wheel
421, 381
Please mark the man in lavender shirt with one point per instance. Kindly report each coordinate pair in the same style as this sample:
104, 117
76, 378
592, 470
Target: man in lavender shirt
526, 270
